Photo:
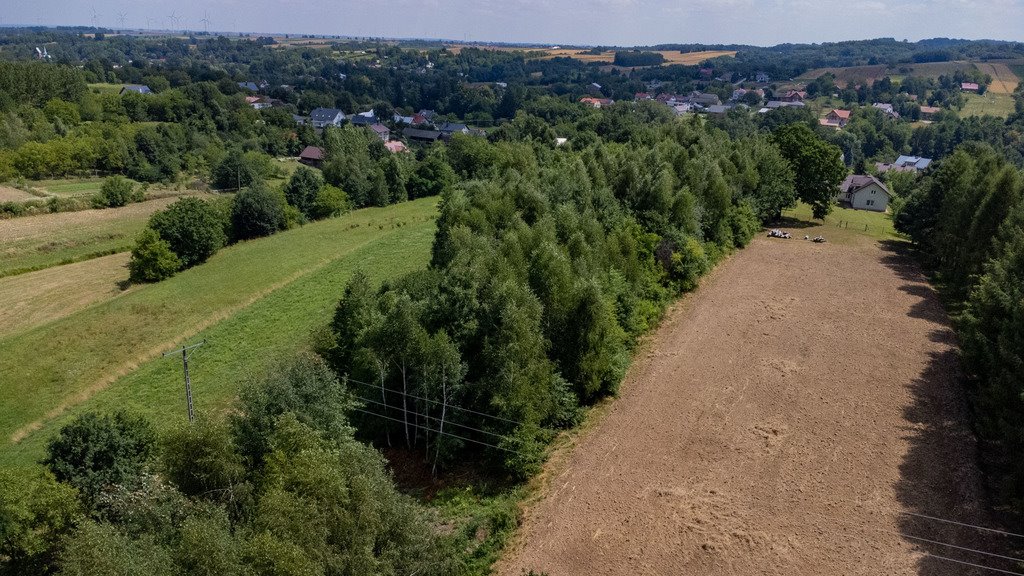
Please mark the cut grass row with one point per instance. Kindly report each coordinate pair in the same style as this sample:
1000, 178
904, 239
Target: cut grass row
33, 243
253, 302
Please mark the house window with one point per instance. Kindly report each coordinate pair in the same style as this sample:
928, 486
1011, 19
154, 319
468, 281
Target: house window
870, 202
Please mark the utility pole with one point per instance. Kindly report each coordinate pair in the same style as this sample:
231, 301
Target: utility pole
188, 383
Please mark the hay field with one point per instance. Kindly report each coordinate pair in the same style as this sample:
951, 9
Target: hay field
10, 194
606, 57
1004, 81
253, 302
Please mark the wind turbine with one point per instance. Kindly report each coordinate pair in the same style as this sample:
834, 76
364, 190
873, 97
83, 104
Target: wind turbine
172, 18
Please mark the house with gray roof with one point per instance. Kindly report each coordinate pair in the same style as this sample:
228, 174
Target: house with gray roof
864, 192
322, 117
449, 128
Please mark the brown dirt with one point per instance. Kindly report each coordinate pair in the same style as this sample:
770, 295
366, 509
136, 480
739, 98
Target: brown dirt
8, 194
777, 423
39, 297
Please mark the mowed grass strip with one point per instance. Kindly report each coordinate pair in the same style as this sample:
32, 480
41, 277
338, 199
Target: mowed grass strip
248, 300
32, 243
36, 298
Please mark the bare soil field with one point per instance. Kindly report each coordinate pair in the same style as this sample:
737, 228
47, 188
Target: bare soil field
782, 420
39, 297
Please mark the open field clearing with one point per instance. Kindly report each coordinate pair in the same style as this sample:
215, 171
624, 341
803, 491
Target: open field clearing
872, 73
583, 55
671, 56
38, 297
253, 302
842, 226
1004, 81
778, 422
10, 194
991, 103
36, 242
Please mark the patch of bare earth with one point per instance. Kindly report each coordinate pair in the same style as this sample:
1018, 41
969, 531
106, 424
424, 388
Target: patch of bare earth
39, 297
779, 422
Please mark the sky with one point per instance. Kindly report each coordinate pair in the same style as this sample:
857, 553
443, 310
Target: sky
579, 22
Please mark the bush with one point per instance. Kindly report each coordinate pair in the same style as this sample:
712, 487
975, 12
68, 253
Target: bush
117, 191
302, 189
94, 452
36, 512
193, 228
152, 259
255, 212
330, 201
239, 170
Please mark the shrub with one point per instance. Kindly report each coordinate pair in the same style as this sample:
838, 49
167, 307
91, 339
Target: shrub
193, 228
239, 170
255, 212
117, 191
94, 452
152, 259
302, 189
330, 201
36, 512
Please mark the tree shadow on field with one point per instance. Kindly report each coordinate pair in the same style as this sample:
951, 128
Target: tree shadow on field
899, 258
939, 474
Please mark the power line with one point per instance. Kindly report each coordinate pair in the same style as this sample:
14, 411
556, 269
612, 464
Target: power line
993, 554
1000, 570
378, 387
429, 417
961, 524
413, 424
188, 381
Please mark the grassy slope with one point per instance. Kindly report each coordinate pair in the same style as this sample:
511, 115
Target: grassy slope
253, 302
1001, 105
878, 225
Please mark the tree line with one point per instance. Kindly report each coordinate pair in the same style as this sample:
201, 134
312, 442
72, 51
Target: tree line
967, 219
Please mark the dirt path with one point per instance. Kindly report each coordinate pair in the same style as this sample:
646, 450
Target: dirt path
777, 423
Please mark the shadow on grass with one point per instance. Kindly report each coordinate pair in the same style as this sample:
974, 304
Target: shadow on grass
795, 223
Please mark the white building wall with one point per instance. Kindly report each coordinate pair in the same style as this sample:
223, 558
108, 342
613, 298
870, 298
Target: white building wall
871, 198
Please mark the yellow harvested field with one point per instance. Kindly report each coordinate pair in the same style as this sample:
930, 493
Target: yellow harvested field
671, 56
39, 297
608, 56
1004, 81
8, 194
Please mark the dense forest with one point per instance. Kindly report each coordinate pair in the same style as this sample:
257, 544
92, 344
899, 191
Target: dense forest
967, 219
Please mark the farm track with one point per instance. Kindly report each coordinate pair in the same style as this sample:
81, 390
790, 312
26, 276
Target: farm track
777, 423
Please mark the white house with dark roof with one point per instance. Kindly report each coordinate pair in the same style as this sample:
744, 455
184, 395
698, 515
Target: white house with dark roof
864, 193
322, 117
